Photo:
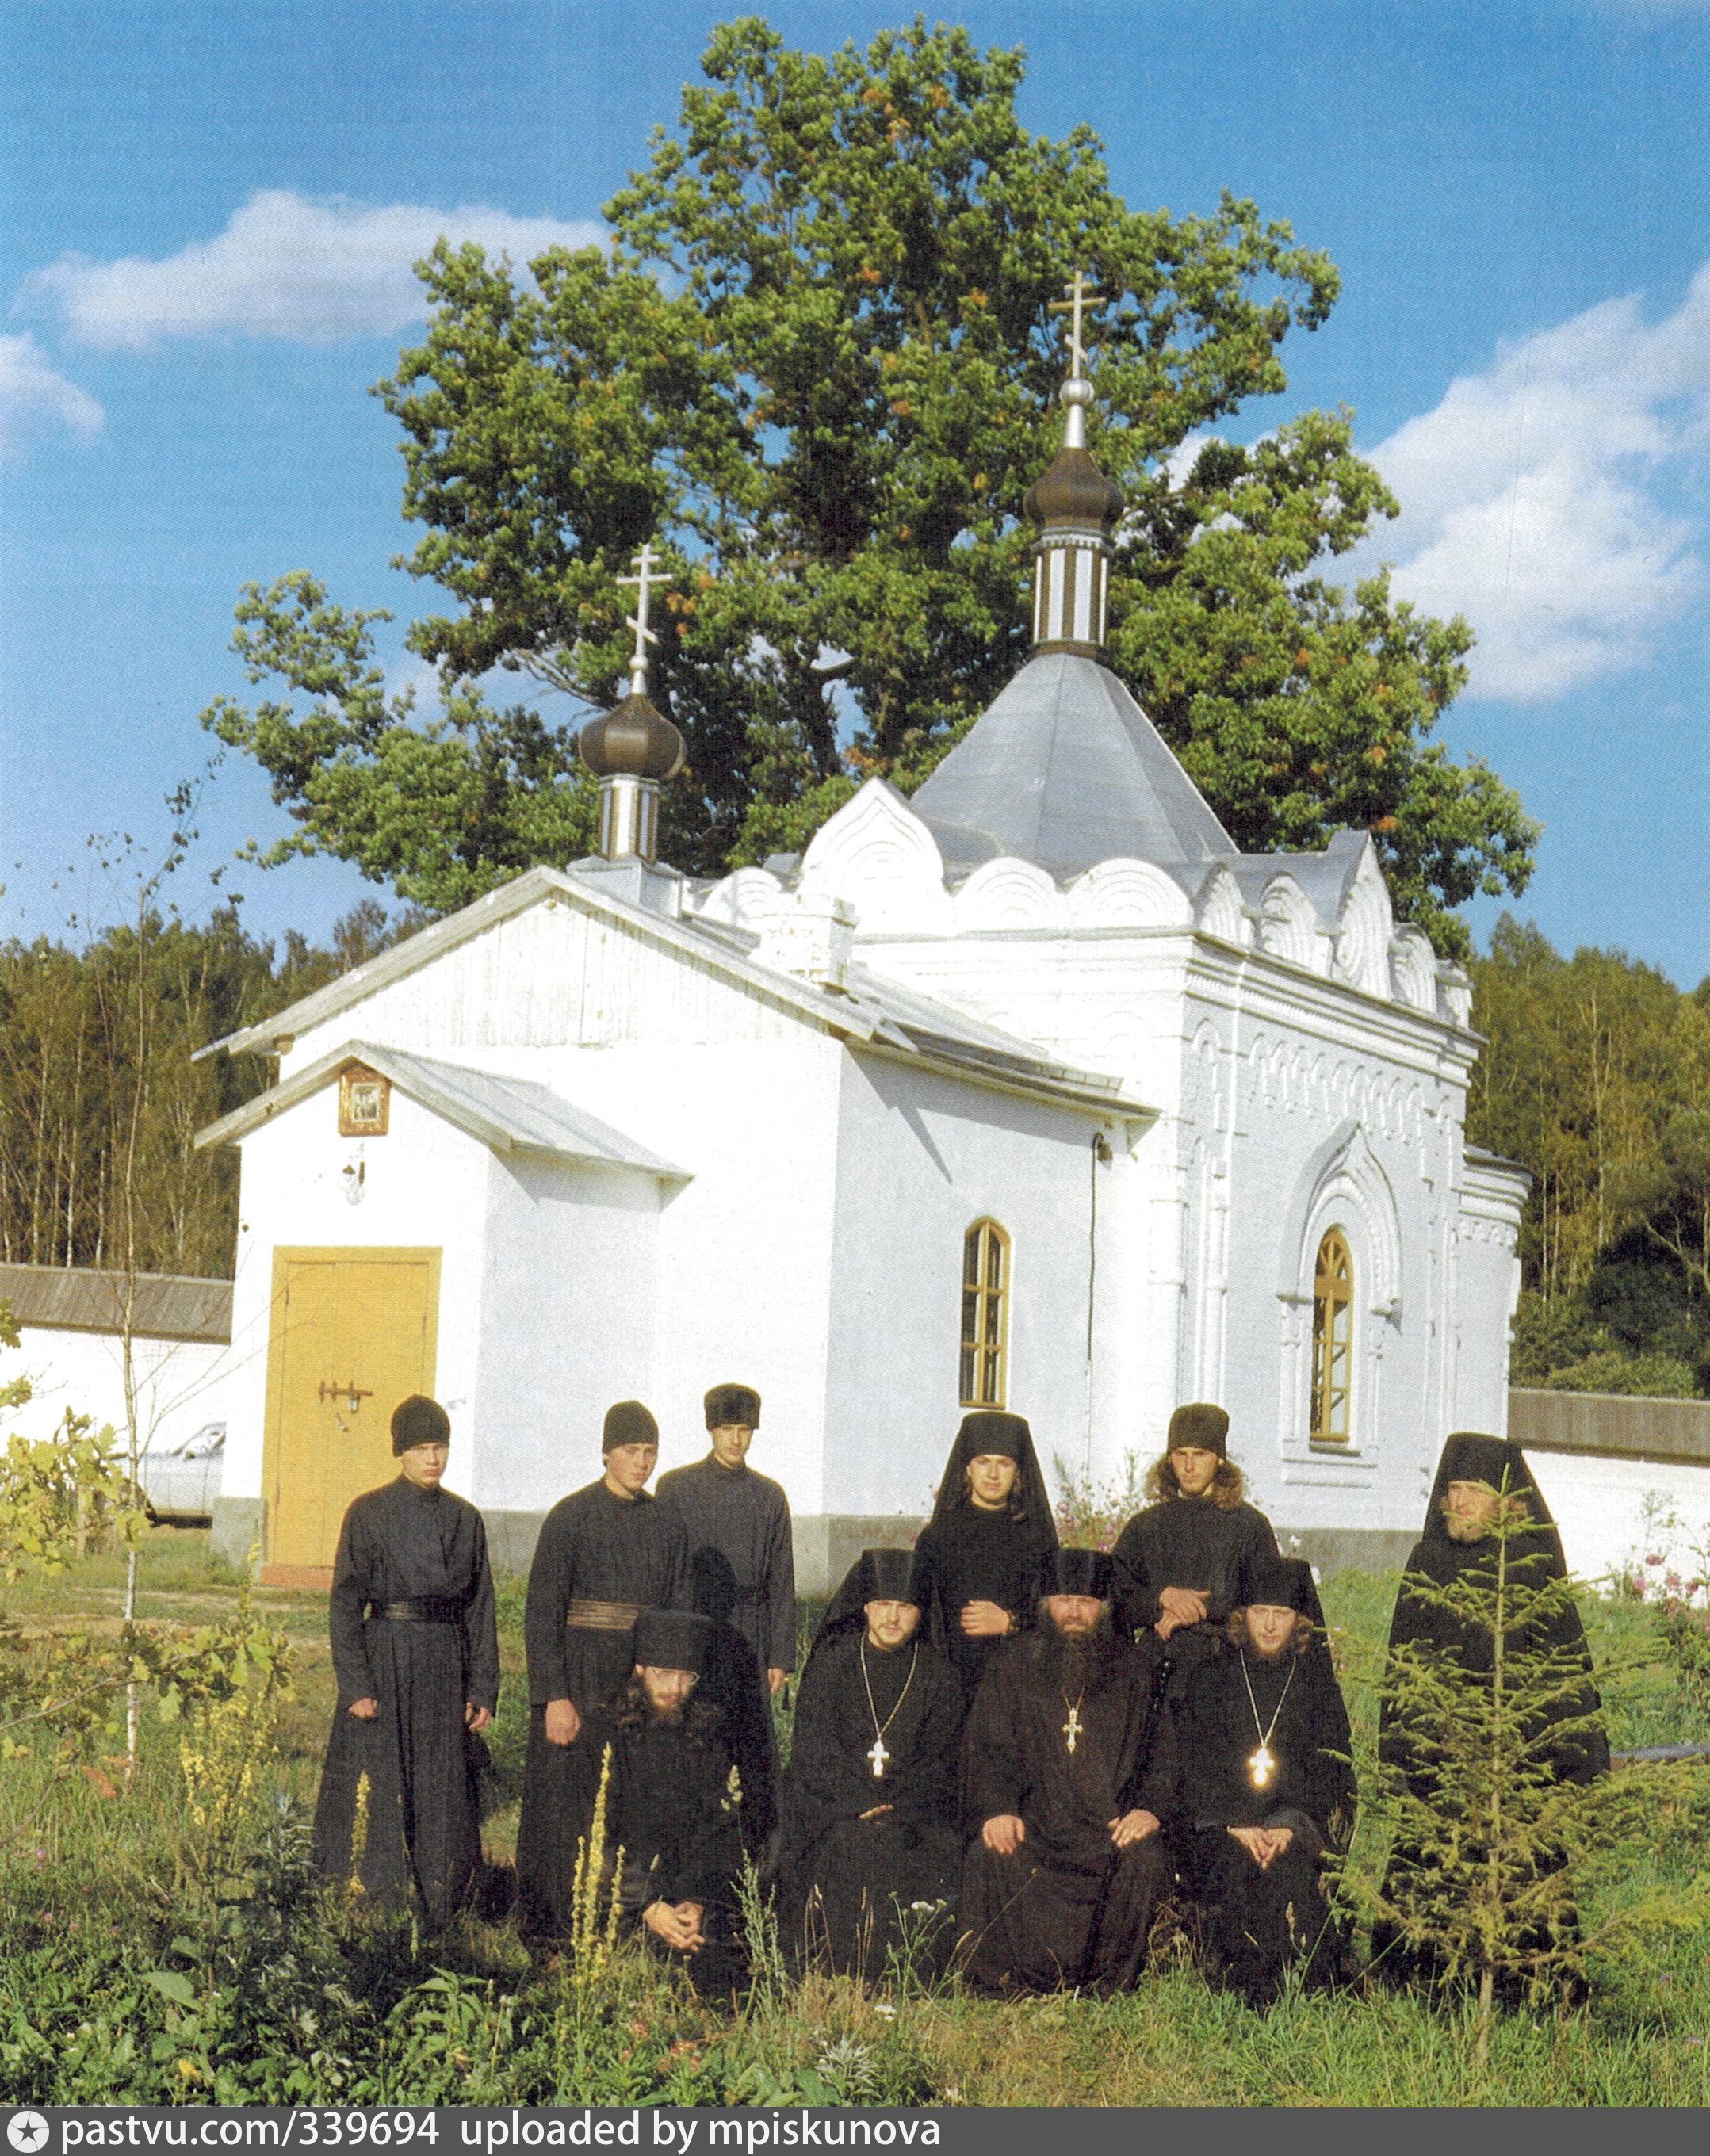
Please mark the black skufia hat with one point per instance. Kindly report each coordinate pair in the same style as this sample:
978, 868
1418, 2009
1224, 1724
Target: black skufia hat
627, 1423
1200, 1426
733, 1404
418, 1421
672, 1639
1081, 1572
1277, 1583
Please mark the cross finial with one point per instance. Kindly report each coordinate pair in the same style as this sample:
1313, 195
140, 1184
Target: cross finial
646, 562
1082, 295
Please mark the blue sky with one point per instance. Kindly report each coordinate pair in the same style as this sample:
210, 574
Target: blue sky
209, 210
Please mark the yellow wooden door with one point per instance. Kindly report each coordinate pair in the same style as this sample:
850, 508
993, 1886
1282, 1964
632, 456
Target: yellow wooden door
353, 1333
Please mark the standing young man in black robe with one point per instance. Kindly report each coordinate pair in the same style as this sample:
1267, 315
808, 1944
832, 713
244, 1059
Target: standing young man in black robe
1069, 1765
657, 1747
742, 1576
415, 1650
1177, 1562
871, 1832
1476, 1475
982, 1560
1267, 1786
605, 1553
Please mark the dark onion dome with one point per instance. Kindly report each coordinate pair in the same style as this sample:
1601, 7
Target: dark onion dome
631, 740
1074, 491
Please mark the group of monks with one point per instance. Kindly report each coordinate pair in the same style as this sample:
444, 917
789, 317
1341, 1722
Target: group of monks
1007, 1756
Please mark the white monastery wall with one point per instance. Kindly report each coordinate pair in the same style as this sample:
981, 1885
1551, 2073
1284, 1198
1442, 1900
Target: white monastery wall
1614, 1514
921, 1159
570, 1259
181, 1384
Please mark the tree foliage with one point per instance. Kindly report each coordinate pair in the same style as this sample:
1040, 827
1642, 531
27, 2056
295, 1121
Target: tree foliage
818, 367
1595, 1074
69, 1026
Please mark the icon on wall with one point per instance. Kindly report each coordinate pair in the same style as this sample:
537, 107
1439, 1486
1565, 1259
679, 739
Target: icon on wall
364, 1102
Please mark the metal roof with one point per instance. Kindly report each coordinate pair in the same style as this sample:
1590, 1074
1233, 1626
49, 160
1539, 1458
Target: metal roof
82, 1299
510, 1114
1063, 769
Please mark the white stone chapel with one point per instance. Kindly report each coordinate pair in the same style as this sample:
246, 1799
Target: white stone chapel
1031, 1091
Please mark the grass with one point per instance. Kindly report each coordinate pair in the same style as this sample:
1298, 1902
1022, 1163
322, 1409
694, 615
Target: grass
113, 1989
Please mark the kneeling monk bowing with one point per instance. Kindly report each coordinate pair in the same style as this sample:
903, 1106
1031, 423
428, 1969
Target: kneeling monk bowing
1069, 1763
657, 1749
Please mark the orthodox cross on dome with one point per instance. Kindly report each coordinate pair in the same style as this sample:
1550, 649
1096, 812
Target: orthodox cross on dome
1076, 392
646, 564
1082, 295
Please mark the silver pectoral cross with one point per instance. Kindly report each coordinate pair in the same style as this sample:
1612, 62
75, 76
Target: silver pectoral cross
879, 1759
1072, 1727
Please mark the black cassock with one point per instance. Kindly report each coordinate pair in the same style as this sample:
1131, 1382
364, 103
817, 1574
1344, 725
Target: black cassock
1067, 1906
668, 1811
1186, 1542
424, 1551
1255, 1922
967, 1555
847, 1884
594, 1546
1536, 1554
745, 1517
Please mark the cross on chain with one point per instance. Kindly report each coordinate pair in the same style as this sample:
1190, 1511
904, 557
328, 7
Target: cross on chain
1072, 1727
879, 1757
1080, 294
646, 561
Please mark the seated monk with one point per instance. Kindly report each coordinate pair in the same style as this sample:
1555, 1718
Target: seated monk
665, 1771
870, 1831
1267, 1786
1069, 1763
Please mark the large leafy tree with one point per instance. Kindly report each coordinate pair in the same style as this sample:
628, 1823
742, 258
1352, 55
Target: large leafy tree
819, 366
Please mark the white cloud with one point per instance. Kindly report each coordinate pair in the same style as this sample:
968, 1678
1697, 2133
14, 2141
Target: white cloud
286, 266
1532, 496
35, 398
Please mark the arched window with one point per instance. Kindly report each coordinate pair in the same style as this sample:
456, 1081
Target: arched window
1332, 1337
985, 1315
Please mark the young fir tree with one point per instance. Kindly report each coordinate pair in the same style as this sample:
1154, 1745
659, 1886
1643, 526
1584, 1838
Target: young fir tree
1491, 1782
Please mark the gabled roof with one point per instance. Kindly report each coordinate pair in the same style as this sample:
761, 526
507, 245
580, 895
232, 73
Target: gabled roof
510, 1114
82, 1299
1063, 769
870, 1011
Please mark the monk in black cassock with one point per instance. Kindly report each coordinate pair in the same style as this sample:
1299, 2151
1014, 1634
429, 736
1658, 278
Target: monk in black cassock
731, 1680
1267, 1786
1177, 1561
982, 1560
871, 1838
666, 1768
415, 1650
605, 1553
743, 1576
1069, 1765
1476, 1475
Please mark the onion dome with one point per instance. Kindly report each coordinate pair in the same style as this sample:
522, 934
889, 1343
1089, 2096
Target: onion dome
630, 748
632, 740
1076, 508
1074, 491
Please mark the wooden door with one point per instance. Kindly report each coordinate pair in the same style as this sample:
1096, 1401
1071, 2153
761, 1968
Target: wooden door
353, 1333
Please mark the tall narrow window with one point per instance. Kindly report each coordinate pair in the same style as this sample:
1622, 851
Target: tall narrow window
1332, 1337
985, 1315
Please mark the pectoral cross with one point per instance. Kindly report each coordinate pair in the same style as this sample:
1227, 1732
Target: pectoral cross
1260, 1765
646, 561
1079, 293
879, 1757
1072, 1727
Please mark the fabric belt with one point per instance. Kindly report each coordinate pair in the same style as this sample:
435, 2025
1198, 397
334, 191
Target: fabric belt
420, 1610
602, 1616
